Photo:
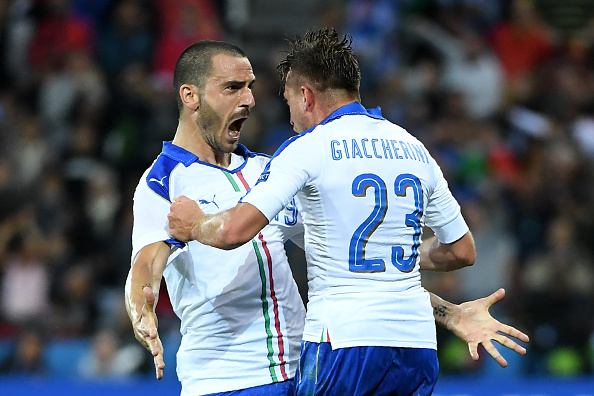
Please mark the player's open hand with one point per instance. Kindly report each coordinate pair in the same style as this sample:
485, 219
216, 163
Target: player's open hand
183, 216
145, 330
475, 325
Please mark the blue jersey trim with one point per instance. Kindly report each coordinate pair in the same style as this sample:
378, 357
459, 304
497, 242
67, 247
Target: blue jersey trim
354, 108
178, 154
175, 242
158, 177
186, 158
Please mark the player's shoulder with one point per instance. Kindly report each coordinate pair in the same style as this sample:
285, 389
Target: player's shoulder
304, 142
402, 132
158, 176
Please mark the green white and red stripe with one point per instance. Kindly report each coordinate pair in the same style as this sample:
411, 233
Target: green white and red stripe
268, 295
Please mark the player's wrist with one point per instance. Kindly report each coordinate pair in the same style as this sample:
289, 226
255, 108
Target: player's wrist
194, 231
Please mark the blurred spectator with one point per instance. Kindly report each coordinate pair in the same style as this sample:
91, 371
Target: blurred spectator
103, 201
109, 359
93, 10
373, 25
25, 285
59, 32
74, 312
27, 358
556, 282
496, 253
127, 38
140, 118
522, 43
76, 93
469, 66
582, 130
182, 23
17, 28
33, 153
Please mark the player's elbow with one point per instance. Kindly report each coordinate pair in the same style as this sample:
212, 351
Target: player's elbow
457, 262
467, 259
463, 253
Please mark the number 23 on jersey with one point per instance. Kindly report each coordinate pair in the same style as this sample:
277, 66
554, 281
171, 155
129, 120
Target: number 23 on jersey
404, 184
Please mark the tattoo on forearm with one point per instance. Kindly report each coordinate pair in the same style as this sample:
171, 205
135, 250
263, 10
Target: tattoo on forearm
146, 285
440, 310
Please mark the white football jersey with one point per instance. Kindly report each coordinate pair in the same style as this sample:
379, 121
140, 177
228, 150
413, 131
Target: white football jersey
241, 313
367, 189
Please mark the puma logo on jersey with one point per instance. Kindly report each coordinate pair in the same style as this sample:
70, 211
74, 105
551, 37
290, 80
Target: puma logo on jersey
206, 202
158, 181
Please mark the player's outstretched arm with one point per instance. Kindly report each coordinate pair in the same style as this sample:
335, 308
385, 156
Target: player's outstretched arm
472, 322
141, 296
225, 230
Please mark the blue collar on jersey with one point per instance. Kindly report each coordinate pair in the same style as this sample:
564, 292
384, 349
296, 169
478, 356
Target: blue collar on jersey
185, 157
354, 108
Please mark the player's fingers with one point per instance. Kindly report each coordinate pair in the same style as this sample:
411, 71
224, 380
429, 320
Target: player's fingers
511, 344
513, 332
181, 199
491, 350
159, 361
156, 346
159, 366
473, 349
495, 297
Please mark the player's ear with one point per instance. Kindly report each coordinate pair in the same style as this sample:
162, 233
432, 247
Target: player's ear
190, 96
309, 98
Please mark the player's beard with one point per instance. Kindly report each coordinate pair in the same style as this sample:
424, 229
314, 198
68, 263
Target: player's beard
213, 129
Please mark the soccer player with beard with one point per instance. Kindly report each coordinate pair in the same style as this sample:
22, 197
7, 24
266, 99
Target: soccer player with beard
241, 313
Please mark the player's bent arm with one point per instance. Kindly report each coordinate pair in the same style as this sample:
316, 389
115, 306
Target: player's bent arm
472, 322
225, 230
141, 295
437, 256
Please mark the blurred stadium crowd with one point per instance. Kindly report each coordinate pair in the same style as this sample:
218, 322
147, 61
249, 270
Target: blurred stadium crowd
501, 92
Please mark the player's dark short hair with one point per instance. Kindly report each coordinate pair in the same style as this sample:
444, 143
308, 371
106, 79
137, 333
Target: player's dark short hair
323, 58
194, 65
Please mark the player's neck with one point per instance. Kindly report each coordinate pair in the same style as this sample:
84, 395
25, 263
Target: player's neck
327, 103
193, 143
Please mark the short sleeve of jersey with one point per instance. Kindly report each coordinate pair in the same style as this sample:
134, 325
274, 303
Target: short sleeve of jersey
288, 171
150, 217
443, 213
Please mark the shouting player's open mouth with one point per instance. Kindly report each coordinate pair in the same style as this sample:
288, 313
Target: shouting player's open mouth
236, 125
